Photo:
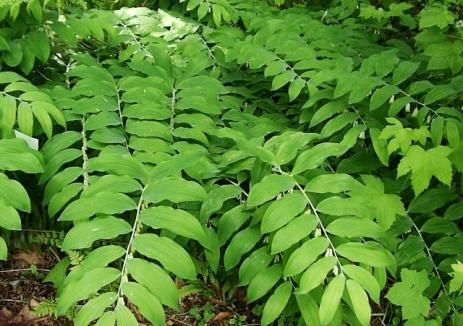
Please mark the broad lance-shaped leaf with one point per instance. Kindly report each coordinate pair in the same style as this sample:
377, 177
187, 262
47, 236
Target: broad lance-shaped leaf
148, 305
98, 204
305, 255
155, 279
241, 243
276, 303
257, 261
9, 217
124, 316
365, 279
88, 284
261, 284
371, 254
316, 274
14, 194
169, 253
424, 164
175, 190
309, 309
282, 211
94, 308
175, 220
268, 188
293, 232
333, 183
83, 234
331, 299
359, 300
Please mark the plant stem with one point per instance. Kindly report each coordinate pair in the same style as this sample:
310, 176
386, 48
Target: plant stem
320, 223
128, 251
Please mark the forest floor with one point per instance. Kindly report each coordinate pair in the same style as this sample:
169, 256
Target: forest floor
22, 291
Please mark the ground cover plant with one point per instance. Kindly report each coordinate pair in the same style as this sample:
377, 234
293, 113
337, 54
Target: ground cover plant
299, 162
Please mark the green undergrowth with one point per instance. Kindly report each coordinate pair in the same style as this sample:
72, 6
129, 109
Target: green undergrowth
308, 152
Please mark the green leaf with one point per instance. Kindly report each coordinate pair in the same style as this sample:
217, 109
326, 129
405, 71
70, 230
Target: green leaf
107, 319
352, 227
44, 119
155, 279
365, 279
297, 229
380, 146
331, 299
305, 255
94, 308
15, 155
124, 316
412, 285
333, 183
85, 286
282, 211
98, 204
315, 156
14, 194
148, 305
365, 253
3, 249
9, 217
268, 188
403, 71
8, 116
295, 88
282, 79
169, 253
438, 93
175, 220
257, 261
360, 303
230, 222
241, 243
119, 165
263, 282
175, 164
276, 303
316, 274
175, 190
424, 164
83, 234
436, 16
309, 309
381, 95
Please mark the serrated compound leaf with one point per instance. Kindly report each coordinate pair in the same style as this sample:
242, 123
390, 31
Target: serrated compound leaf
276, 303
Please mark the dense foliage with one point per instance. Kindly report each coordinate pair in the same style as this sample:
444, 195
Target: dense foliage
311, 152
